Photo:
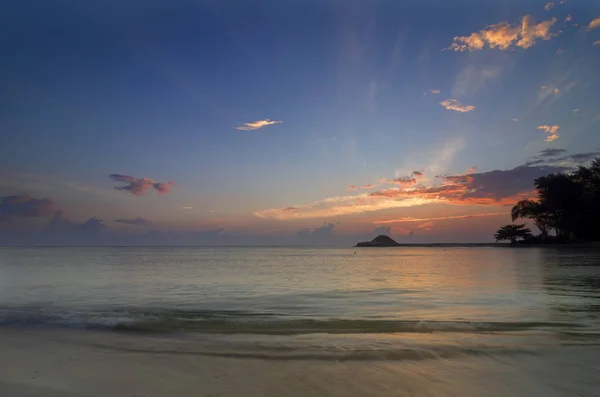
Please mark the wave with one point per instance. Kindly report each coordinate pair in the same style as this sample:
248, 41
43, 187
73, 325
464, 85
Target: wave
243, 322
390, 354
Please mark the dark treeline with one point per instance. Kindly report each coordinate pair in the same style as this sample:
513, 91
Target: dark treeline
567, 209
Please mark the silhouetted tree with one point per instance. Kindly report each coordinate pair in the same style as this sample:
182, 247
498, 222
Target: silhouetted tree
568, 203
533, 210
513, 233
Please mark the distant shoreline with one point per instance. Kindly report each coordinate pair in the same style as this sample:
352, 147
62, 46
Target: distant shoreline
489, 245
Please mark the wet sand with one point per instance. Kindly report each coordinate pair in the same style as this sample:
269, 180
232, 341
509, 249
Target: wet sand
90, 363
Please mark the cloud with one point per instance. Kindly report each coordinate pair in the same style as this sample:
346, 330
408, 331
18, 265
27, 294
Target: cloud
404, 181
557, 158
498, 188
597, 42
136, 221
352, 187
139, 186
255, 125
516, 120
549, 6
505, 36
92, 225
473, 77
435, 91
551, 130
369, 186
187, 208
454, 104
551, 152
594, 24
290, 209
407, 181
23, 206
580, 158
382, 230
556, 91
318, 235
575, 111
442, 218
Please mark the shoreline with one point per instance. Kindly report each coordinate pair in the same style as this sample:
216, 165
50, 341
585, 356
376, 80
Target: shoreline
79, 363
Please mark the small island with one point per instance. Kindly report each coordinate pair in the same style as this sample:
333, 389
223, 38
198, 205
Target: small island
379, 241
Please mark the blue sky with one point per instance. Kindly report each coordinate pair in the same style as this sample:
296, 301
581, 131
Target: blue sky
357, 91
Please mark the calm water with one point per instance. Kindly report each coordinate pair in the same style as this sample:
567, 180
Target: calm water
492, 305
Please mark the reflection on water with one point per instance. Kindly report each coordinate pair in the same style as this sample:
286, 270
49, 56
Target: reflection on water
401, 321
459, 285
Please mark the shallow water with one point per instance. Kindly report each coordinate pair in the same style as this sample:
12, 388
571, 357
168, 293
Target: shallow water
533, 310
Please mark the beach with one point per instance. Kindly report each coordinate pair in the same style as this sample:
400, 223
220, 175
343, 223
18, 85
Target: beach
82, 363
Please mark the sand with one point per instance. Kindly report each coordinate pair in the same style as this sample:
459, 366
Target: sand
90, 363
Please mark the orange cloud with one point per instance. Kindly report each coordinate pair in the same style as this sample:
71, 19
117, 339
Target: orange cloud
549, 6
595, 24
493, 188
255, 125
454, 104
505, 36
551, 130
441, 218
597, 42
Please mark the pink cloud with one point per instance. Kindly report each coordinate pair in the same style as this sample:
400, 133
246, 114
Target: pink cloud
139, 186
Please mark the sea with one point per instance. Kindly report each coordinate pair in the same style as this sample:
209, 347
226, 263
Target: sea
418, 321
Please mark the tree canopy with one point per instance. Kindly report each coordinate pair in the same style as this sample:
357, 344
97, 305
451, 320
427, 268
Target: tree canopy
513, 233
567, 208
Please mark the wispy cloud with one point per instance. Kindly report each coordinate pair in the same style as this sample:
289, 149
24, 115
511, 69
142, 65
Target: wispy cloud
594, 24
187, 208
135, 222
551, 130
139, 186
441, 218
516, 120
352, 187
569, 18
255, 125
454, 104
549, 6
505, 36
435, 91
474, 77
551, 152
597, 42
559, 158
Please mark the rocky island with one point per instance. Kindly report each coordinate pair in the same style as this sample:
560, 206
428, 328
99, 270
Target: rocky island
379, 241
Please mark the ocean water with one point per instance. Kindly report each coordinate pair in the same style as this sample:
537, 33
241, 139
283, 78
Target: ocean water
527, 317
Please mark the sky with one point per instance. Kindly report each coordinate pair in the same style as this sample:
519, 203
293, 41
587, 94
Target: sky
295, 122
